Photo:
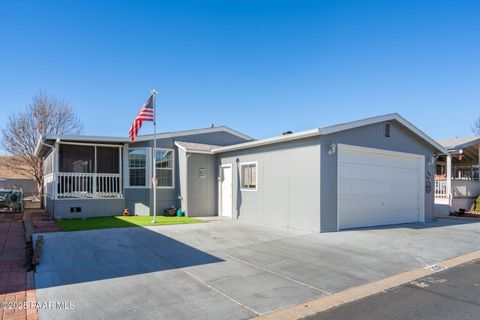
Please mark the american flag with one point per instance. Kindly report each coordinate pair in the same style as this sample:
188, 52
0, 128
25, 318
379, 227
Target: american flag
146, 113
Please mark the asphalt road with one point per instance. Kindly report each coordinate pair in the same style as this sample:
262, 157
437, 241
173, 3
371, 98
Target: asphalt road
450, 294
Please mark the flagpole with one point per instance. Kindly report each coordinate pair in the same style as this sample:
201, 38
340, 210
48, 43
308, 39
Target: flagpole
154, 170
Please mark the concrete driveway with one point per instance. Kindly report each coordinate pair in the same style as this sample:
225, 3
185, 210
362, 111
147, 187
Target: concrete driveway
227, 269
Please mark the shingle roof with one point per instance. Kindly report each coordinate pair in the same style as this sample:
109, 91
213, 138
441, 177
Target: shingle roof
196, 147
459, 142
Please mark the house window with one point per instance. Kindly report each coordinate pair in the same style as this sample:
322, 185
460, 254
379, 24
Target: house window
248, 178
136, 167
164, 168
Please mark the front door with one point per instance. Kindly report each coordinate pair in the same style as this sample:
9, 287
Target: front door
226, 191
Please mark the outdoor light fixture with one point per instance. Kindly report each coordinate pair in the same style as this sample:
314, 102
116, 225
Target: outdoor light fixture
332, 149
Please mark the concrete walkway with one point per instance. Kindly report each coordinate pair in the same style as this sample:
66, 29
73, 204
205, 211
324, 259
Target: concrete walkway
226, 269
16, 285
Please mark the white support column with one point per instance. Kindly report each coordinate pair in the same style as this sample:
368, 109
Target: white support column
120, 170
55, 169
94, 182
449, 178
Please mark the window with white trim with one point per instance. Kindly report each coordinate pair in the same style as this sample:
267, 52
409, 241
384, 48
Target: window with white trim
137, 159
164, 168
248, 176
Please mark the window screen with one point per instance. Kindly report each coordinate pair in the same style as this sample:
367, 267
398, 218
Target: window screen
136, 166
248, 176
164, 168
75, 158
47, 164
107, 160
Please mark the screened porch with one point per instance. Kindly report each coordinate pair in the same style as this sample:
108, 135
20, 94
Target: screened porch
75, 170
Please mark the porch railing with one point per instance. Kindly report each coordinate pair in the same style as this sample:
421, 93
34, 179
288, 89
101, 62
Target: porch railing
441, 188
89, 185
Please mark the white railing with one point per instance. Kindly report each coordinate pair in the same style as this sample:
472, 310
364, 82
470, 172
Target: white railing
89, 185
441, 188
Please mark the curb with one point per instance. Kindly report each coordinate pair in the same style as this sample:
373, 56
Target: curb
337, 299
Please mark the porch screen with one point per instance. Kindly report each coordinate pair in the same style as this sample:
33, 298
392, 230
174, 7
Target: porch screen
74, 158
47, 164
107, 160
164, 168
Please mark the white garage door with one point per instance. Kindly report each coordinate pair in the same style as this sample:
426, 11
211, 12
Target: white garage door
379, 187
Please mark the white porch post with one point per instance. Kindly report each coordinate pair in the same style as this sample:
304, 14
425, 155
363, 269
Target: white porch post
55, 169
449, 178
94, 182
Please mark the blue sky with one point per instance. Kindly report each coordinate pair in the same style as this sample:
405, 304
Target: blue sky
261, 67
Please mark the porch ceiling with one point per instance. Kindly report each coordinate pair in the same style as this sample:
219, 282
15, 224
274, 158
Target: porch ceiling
469, 155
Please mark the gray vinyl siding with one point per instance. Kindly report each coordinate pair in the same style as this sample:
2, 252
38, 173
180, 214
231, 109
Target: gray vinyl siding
201, 196
372, 136
220, 138
202, 192
137, 200
288, 184
297, 181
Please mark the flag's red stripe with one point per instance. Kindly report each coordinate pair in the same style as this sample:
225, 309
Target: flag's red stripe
145, 114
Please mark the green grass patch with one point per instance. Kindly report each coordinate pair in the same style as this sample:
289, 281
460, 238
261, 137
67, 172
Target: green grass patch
120, 222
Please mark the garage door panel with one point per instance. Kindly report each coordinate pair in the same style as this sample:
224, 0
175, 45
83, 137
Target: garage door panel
378, 187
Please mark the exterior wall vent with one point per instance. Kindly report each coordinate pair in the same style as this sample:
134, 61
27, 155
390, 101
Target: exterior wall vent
387, 130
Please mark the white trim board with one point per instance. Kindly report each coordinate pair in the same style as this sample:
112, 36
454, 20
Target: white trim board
219, 200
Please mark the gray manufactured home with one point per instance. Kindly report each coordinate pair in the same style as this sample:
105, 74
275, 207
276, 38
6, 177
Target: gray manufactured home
376, 171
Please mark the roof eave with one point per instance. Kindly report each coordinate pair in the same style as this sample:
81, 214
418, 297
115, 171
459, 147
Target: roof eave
278, 139
337, 128
38, 146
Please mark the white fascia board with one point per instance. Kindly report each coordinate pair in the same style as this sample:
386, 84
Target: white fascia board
87, 138
38, 146
277, 139
190, 132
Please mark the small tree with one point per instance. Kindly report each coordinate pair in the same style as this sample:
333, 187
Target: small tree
45, 115
476, 127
